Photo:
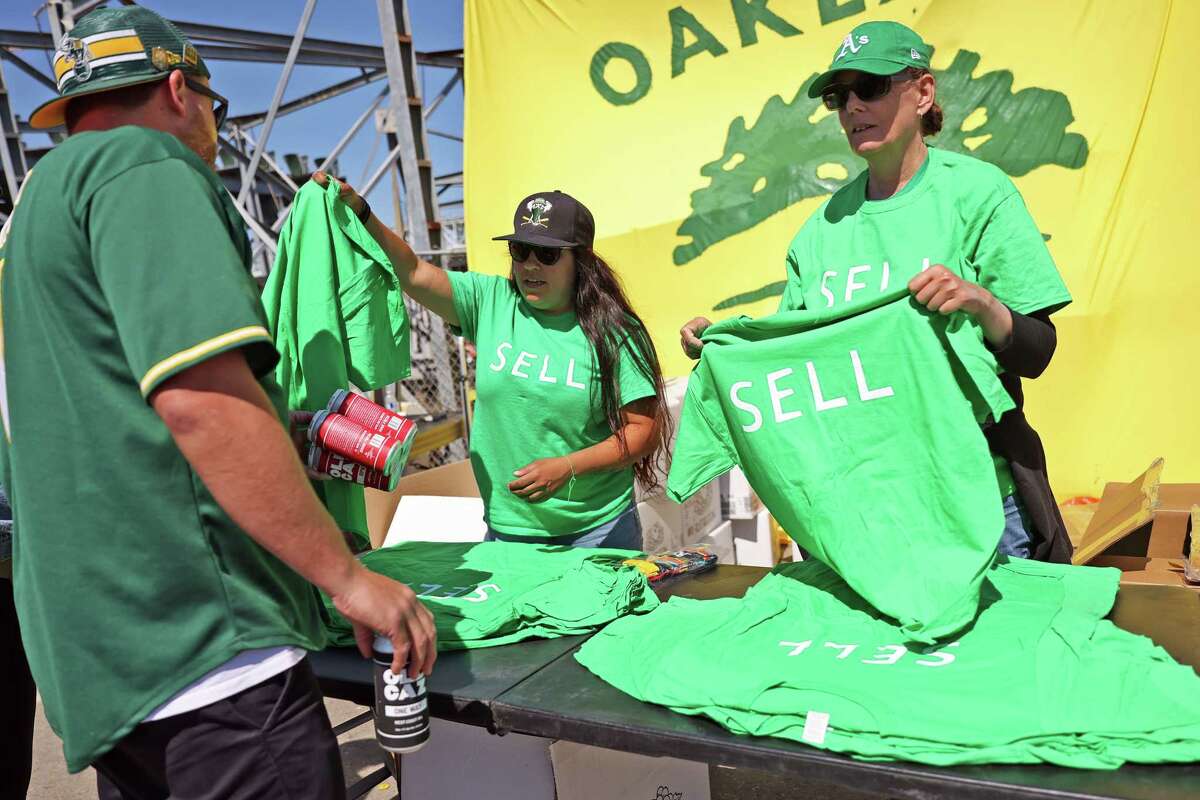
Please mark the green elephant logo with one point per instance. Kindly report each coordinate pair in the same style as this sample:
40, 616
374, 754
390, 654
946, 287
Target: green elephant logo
783, 158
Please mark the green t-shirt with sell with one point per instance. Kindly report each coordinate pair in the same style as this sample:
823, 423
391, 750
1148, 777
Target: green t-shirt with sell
803, 657
860, 433
957, 211
537, 396
125, 264
336, 312
492, 593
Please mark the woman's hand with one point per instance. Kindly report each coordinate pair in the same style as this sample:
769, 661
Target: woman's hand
346, 193
689, 336
541, 479
940, 290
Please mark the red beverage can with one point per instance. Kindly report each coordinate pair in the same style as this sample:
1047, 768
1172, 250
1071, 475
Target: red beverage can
347, 438
327, 462
372, 416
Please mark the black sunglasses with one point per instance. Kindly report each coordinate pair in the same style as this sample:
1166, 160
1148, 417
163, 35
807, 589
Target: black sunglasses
220, 104
866, 87
548, 256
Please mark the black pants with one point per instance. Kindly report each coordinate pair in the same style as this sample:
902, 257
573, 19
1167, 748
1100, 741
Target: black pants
271, 742
18, 702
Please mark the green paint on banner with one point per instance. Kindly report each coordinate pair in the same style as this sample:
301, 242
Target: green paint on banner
783, 154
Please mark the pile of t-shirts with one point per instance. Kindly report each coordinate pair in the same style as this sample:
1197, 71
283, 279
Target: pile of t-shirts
859, 429
1038, 677
493, 593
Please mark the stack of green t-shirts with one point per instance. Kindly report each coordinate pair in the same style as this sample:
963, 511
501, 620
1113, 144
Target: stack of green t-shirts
859, 429
803, 657
492, 593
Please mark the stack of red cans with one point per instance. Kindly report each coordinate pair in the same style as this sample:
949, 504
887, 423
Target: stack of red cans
357, 440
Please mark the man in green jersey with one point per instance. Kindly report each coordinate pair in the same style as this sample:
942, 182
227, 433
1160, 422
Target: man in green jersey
165, 528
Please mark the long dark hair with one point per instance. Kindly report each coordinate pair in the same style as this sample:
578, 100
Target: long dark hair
611, 325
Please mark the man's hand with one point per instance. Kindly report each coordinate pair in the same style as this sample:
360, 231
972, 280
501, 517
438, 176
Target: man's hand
541, 479
377, 604
940, 290
689, 336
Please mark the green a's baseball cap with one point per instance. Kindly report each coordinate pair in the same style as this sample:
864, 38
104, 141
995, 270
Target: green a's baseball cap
111, 48
880, 48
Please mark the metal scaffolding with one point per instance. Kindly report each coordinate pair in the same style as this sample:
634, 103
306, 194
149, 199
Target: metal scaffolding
263, 188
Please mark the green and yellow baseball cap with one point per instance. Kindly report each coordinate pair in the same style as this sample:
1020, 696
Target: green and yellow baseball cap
111, 48
880, 48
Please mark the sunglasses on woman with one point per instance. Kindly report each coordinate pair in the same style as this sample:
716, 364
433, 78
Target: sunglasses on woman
866, 87
548, 256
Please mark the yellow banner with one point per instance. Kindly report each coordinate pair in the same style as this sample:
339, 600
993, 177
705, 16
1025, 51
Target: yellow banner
684, 126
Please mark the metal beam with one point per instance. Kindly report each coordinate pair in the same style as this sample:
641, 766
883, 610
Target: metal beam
349, 55
260, 39
29, 69
284, 77
445, 135
354, 129
388, 161
244, 159
270, 162
217, 52
444, 93
250, 120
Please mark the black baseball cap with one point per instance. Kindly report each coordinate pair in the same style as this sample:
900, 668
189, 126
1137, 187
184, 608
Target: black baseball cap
551, 219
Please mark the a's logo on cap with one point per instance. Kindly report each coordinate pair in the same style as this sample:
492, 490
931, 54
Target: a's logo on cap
539, 213
849, 46
75, 57
916, 56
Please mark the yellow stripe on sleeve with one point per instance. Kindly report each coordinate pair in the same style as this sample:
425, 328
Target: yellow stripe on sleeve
198, 352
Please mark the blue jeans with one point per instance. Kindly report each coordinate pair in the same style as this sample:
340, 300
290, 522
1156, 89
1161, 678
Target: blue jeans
1017, 539
623, 532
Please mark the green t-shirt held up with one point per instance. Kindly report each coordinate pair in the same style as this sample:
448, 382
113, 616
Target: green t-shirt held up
336, 312
537, 396
860, 432
126, 263
957, 211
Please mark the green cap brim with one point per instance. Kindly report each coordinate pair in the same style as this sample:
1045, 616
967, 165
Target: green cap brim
875, 66
52, 113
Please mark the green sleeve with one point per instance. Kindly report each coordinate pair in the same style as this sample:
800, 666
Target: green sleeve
703, 449
793, 292
633, 381
470, 291
173, 273
1014, 263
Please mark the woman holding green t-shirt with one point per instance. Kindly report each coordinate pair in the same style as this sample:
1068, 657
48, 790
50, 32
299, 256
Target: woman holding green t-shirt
952, 227
569, 403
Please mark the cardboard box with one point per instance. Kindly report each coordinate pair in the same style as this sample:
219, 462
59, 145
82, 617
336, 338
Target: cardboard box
738, 500
720, 540
451, 480
661, 523
667, 525
422, 518
582, 772
1142, 528
467, 761
754, 541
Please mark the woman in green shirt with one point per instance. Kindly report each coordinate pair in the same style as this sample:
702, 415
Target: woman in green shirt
569, 403
952, 227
